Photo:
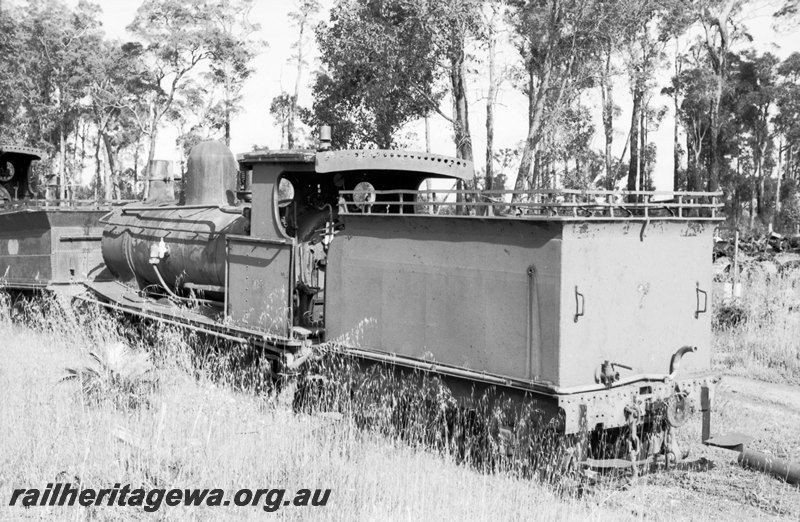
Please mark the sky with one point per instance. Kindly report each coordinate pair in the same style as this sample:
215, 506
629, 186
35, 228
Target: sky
275, 73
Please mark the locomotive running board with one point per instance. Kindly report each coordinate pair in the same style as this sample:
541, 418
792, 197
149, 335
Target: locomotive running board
117, 296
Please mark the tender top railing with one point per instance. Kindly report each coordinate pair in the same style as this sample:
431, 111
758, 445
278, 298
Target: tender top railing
59, 204
537, 204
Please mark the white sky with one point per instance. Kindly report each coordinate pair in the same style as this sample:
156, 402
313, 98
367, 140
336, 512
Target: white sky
275, 73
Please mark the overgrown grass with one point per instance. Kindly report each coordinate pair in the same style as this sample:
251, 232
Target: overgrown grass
213, 423
393, 452
758, 334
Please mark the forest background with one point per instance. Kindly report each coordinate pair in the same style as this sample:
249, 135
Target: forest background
636, 94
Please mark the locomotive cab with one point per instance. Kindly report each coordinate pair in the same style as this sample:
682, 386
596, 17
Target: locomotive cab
15, 171
296, 201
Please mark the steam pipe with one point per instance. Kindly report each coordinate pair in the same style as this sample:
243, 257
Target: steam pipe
164, 284
179, 298
783, 469
675, 362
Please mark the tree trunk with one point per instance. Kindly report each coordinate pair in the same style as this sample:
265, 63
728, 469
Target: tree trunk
463, 139
536, 105
98, 175
633, 165
760, 174
227, 123
753, 204
112, 177
641, 175
298, 76
676, 154
461, 134
694, 181
719, 57
62, 168
136, 151
433, 209
151, 154
778, 185
606, 88
490, 116
713, 175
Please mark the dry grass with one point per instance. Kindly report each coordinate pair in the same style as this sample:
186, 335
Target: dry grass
199, 432
213, 422
766, 344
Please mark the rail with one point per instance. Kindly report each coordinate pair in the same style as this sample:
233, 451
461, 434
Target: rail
537, 204
60, 204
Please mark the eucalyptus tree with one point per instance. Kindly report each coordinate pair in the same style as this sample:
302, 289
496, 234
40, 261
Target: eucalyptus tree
717, 19
452, 23
492, 34
695, 85
303, 19
378, 70
56, 44
554, 39
11, 67
177, 37
650, 25
757, 90
232, 48
787, 119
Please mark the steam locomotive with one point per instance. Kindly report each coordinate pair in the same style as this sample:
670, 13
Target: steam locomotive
592, 305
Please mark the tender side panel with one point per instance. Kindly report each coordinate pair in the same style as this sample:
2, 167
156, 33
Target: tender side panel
638, 286
76, 237
258, 284
25, 249
457, 291
44, 247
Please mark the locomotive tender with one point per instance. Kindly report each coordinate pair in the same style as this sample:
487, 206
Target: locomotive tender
44, 243
595, 309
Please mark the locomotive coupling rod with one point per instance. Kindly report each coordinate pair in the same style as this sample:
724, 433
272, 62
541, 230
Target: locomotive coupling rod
783, 469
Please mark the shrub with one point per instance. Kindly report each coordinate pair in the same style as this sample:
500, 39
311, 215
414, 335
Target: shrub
788, 218
729, 315
115, 373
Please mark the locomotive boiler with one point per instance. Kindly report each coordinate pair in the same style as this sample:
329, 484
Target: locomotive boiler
179, 246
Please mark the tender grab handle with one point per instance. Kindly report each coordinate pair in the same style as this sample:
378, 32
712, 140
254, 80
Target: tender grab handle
698, 311
579, 303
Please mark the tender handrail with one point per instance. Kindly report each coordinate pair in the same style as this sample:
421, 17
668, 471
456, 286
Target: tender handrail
548, 191
21, 204
541, 203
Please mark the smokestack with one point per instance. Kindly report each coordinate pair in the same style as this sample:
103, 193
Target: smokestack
324, 137
160, 187
211, 173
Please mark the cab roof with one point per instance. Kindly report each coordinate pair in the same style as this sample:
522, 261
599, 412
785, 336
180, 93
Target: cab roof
23, 151
432, 165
